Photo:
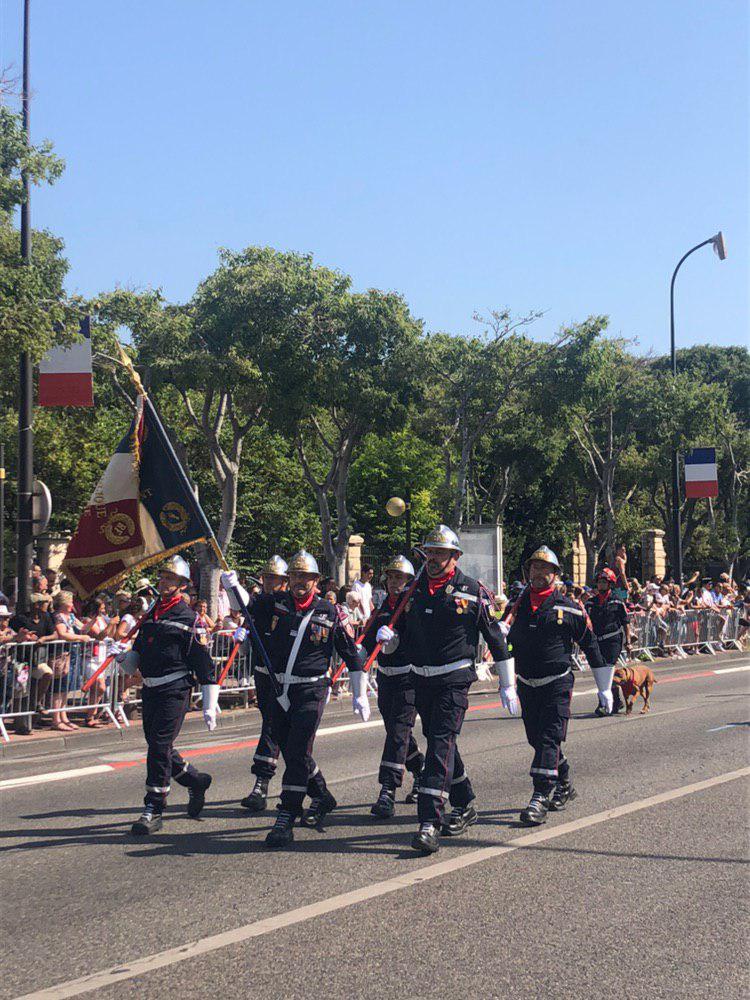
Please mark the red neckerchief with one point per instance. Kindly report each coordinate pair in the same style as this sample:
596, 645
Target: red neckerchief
305, 605
163, 606
392, 601
434, 583
603, 597
538, 597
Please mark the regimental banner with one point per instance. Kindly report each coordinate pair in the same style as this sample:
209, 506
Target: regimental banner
701, 477
139, 513
65, 373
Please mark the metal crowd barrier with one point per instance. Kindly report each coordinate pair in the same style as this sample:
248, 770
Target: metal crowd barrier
46, 678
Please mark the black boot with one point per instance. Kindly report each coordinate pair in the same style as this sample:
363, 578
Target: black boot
197, 795
318, 809
385, 806
256, 800
282, 832
460, 818
148, 822
536, 811
601, 711
414, 793
427, 840
563, 793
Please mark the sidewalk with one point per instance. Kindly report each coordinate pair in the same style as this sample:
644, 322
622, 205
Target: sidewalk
42, 742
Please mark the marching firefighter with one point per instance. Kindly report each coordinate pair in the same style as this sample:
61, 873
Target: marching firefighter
544, 625
171, 652
609, 619
275, 579
446, 616
304, 632
396, 694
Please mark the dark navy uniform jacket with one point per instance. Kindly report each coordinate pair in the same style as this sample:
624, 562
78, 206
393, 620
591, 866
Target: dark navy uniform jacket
609, 620
542, 641
445, 627
400, 655
277, 619
173, 642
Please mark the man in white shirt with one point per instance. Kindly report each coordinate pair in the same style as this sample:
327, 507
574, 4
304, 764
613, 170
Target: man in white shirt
362, 587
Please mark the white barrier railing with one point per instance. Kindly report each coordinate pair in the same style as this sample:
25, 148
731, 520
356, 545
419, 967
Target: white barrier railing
46, 678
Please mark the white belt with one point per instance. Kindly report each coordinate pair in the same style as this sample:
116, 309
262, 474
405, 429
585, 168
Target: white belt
155, 682
609, 635
394, 671
443, 668
537, 682
293, 679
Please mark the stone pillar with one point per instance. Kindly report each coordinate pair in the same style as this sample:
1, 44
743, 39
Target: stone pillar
579, 561
354, 557
51, 549
653, 554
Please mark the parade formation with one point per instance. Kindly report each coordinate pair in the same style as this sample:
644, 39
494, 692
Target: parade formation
425, 642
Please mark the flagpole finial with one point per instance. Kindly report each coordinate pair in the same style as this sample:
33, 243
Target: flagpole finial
127, 363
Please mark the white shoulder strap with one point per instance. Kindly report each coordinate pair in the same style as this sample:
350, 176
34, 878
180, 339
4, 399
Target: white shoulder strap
284, 698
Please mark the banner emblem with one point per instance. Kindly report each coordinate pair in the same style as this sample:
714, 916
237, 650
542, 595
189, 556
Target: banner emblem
174, 517
118, 529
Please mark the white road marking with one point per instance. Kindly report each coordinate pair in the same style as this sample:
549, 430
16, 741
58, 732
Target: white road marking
729, 725
40, 779
730, 670
139, 967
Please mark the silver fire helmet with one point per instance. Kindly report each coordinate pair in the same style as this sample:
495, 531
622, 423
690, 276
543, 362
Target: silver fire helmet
442, 537
177, 565
276, 566
303, 562
400, 564
544, 554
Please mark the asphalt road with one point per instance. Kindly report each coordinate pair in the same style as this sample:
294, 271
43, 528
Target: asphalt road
620, 895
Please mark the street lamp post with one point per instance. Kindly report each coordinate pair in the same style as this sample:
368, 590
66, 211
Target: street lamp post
721, 251
396, 507
25, 546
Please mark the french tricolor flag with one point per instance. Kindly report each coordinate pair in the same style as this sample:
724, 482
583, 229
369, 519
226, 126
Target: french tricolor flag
701, 479
65, 375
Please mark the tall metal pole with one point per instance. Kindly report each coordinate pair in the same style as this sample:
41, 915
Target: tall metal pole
408, 522
25, 388
2, 516
676, 519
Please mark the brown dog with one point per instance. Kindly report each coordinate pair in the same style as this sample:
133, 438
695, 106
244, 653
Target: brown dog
633, 681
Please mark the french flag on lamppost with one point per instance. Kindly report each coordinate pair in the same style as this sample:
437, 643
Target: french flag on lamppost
701, 478
65, 373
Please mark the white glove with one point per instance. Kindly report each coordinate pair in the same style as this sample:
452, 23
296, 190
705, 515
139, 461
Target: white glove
128, 660
231, 584
239, 634
509, 699
607, 701
210, 693
360, 701
229, 579
385, 634
387, 638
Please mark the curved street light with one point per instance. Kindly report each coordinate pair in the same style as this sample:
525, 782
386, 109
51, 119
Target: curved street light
721, 252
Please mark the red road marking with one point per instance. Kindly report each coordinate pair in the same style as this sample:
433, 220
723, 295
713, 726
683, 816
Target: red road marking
249, 744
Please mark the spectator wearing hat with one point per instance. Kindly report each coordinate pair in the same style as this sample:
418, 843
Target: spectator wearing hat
32, 631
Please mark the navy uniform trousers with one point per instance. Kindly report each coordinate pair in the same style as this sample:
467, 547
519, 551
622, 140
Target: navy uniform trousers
294, 732
546, 713
164, 709
441, 703
266, 754
398, 707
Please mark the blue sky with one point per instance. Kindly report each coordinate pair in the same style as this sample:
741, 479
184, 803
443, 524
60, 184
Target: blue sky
471, 155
